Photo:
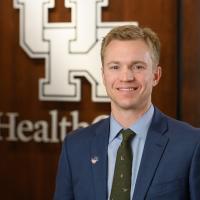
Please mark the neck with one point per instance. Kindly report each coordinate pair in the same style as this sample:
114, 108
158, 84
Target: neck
128, 117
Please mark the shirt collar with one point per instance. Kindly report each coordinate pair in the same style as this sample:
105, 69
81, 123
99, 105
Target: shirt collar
140, 127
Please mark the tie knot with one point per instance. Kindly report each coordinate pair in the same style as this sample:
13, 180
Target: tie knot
127, 135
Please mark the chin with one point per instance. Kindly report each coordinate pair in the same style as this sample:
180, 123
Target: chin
127, 106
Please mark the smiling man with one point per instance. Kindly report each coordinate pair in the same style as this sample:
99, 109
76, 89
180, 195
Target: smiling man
129, 74
138, 152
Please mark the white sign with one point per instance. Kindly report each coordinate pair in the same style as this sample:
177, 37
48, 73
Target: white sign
71, 50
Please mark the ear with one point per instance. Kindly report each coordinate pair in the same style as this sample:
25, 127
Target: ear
157, 75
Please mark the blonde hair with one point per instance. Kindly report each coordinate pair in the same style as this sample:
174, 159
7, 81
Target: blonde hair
132, 32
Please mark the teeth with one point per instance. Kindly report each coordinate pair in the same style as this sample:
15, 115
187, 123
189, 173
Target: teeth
126, 89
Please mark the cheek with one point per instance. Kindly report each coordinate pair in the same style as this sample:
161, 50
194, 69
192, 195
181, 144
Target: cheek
146, 81
106, 80
105, 77
109, 78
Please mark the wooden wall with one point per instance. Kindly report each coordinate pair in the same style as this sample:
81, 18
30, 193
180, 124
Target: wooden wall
27, 170
190, 109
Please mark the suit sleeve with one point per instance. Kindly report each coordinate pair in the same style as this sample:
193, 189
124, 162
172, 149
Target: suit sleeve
64, 189
194, 180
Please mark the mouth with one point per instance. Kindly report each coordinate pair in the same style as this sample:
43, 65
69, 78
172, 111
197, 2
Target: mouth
127, 89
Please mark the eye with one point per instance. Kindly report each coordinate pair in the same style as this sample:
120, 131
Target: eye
114, 67
138, 67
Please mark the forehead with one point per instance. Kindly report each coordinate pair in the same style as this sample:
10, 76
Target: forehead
126, 46
134, 43
127, 49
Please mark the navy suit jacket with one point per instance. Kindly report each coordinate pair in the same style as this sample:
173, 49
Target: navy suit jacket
169, 169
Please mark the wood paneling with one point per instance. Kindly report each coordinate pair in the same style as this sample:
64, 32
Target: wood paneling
191, 62
27, 170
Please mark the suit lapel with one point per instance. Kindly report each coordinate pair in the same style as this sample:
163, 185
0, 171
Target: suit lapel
155, 145
99, 160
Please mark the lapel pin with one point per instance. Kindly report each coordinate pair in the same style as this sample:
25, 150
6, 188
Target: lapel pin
94, 160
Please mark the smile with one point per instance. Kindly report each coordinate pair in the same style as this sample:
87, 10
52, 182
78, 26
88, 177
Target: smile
127, 89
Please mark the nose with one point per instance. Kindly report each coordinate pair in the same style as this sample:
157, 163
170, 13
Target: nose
127, 75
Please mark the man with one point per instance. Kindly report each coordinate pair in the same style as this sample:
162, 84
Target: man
165, 153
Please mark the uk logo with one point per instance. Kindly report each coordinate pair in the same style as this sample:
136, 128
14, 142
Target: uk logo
71, 50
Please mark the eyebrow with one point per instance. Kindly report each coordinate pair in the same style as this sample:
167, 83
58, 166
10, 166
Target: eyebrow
113, 62
132, 63
139, 62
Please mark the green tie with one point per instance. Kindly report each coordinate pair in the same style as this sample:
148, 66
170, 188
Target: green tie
121, 186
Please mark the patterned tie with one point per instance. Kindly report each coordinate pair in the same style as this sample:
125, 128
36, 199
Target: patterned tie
121, 186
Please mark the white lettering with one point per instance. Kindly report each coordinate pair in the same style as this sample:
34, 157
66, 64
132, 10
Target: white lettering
75, 120
24, 126
10, 126
54, 124
71, 50
63, 127
41, 133
53, 131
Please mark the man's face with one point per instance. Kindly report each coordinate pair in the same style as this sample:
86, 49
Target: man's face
129, 74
